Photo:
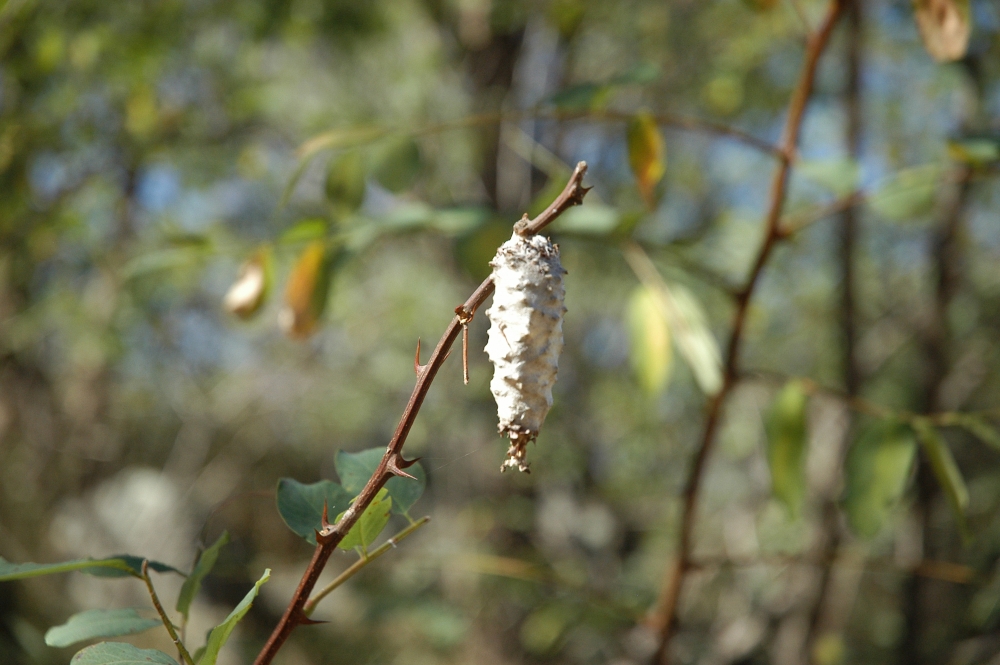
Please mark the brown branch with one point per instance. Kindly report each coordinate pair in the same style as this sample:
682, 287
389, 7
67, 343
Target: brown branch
392, 461
666, 616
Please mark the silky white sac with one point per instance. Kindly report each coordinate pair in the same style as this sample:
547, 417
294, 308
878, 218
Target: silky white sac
525, 338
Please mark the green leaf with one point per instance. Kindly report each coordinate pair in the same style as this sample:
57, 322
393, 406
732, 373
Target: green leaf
945, 469
975, 151
119, 653
650, 350
582, 97
355, 469
978, 427
399, 164
840, 176
588, 219
98, 623
787, 438
220, 634
116, 566
907, 193
695, 342
647, 155
370, 525
345, 180
206, 561
307, 291
877, 470
301, 506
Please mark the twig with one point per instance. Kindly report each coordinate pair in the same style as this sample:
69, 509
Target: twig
666, 616
392, 462
181, 649
361, 563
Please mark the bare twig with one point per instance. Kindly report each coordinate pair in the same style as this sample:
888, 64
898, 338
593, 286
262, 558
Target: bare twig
361, 563
666, 616
392, 462
181, 649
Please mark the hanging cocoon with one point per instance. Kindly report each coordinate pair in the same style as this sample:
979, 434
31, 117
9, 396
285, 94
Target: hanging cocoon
525, 338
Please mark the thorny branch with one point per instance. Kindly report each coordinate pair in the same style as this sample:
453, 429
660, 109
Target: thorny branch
393, 463
666, 616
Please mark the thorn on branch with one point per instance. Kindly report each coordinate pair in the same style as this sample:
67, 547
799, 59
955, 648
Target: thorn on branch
306, 621
394, 464
418, 369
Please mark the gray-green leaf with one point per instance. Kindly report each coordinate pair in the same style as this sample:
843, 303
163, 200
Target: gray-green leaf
220, 634
92, 624
787, 435
355, 469
877, 469
301, 506
201, 569
119, 653
115, 566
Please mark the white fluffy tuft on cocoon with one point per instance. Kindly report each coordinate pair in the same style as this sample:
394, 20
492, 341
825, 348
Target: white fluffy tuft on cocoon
525, 338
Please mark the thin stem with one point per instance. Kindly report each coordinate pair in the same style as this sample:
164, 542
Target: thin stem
181, 649
666, 616
392, 462
356, 567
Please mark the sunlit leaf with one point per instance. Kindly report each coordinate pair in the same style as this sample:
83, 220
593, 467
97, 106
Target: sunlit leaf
370, 524
650, 349
945, 468
345, 180
647, 155
245, 297
301, 506
355, 469
93, 624
945, 26
306, 291
694, 339
206, 561
119, 653
220, 634
787, 438
975, 151
877, 470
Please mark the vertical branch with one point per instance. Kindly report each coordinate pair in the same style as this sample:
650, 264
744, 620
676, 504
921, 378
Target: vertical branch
181, 649
847, 316
666, 616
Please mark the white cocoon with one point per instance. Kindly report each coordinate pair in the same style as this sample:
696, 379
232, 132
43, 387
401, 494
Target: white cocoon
525, 338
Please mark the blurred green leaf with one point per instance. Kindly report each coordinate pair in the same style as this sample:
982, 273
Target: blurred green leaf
399, 164
907, 193
370, 524
116, 566
978, 427
694, 339
840, 176
542, 630
301, 506
787, 439
93, 624
945, 469
220, 634
877, 470
345, 180
477, 249
355, 469
582, 97
118, 653
305, 231
206, 561
975, 151
651, 353
588, 219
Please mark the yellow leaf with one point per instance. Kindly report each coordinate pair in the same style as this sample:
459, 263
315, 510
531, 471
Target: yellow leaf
651, 352
944, 26
306, 292
647, 155
245, 297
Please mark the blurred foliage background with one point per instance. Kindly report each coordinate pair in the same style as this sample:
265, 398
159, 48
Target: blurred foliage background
148, 149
